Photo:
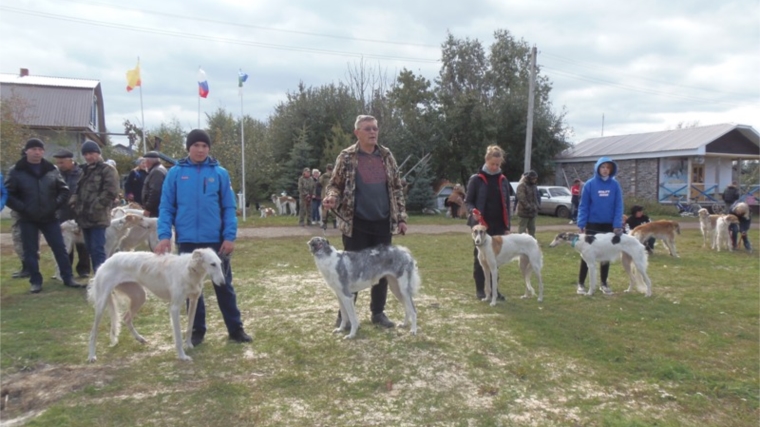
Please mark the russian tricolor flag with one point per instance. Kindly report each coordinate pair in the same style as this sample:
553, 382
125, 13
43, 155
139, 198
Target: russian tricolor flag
202, 84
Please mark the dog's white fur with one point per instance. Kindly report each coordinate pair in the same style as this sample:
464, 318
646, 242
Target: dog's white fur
600, 248
722, 235
363, 269
265, 212
172, 278
707, 225
283, 203
664, 229
494, 251
119, 229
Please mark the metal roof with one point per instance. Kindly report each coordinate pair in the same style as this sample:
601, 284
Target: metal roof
54, 102
48, 81
678, 141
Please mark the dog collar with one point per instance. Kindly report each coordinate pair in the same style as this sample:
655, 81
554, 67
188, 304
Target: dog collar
574, 241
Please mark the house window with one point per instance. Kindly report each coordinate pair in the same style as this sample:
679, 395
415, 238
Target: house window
94, 113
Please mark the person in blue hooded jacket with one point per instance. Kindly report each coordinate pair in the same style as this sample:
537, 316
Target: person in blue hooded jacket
600, 211
197, 199
3, 193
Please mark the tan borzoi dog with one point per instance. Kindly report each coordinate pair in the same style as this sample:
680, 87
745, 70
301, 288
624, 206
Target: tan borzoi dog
172, 278
493, 251
663, 229
602, 248
722, 235
347, 272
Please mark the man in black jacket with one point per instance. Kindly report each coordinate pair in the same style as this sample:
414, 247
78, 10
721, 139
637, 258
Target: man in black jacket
71, 172
36, 191
151, 191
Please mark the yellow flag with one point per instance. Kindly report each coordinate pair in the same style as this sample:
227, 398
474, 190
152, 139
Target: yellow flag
133, 78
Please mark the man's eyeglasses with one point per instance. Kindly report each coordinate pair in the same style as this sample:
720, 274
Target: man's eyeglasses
370, 129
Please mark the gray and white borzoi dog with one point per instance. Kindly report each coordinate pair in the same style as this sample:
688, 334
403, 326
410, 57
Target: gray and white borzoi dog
603, 248
493, 251
172, 278
346, 272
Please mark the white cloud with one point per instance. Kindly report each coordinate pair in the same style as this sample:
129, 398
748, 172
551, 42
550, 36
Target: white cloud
645, 65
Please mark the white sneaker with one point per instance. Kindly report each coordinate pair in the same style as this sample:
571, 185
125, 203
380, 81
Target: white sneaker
571, 222
581, 290
606, 290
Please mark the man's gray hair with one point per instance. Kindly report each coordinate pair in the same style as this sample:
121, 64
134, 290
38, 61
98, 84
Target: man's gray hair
361, 118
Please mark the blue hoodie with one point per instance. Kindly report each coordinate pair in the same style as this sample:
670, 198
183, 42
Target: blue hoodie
601, 201
3, 192
198, 201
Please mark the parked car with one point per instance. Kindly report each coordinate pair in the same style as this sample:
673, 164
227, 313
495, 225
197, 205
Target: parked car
555, 201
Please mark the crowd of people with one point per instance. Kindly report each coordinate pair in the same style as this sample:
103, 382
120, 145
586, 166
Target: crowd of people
362, 195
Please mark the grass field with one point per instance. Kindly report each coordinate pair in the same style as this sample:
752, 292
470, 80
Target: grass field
687, 356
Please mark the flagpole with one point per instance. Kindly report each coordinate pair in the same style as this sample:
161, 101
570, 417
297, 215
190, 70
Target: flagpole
199, 100
142, 112
242, 146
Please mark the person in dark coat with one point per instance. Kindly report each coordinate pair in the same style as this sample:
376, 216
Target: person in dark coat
36, 191
151, 191
488, 191
71, 173
133, 186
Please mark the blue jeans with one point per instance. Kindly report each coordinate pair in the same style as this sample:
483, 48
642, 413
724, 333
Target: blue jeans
225, 295
316, 205
30, 237
95, 241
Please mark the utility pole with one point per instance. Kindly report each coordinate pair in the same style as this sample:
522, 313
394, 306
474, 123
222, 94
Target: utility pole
529, 130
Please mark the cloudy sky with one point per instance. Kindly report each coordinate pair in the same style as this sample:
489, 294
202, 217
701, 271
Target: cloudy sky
644, 66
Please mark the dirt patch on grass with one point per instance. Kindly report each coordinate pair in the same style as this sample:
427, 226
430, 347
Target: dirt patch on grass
28, 393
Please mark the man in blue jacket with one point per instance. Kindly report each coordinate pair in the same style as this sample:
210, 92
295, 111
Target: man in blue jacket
197, 199
600, 211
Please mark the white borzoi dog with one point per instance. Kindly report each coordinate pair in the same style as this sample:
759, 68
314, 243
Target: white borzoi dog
172, 278
283, 203
346, 272
707, 225
663, 229
493, 251
722, 234
601, 248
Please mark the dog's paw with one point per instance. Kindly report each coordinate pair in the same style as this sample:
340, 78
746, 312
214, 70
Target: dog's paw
493, 304
337, 330
349, 337
92, 359
540, 299
185, 358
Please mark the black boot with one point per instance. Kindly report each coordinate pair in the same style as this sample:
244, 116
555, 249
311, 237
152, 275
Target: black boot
73, 283
21, 274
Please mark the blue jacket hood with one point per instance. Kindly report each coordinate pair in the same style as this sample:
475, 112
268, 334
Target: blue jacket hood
605, 160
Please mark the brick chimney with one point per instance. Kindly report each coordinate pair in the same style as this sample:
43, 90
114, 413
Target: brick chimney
24, 72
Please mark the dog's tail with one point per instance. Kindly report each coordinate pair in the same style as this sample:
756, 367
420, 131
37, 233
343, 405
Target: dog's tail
639, 279
416, 281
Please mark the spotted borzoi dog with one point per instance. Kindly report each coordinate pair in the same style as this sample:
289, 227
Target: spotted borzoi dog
602, 248
172, 278
493, 251
347, 272
267, 212
663, 229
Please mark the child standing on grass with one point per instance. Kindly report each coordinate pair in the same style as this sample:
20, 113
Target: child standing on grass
600, 211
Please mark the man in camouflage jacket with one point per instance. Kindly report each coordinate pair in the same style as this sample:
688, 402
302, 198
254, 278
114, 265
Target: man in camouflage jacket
94, 198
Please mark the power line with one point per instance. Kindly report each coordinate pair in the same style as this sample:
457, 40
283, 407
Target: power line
636, 88
212, 38
258, 27
594, 66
